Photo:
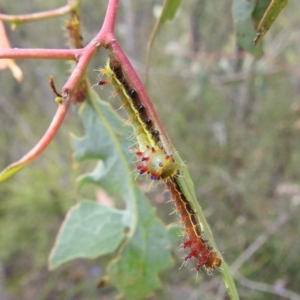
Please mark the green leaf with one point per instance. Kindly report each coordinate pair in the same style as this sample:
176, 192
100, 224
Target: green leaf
270, 13
135, 271
105, 140
245, 32
173, 230
91, 230
169, 10
259, 10
88, 231
12, 170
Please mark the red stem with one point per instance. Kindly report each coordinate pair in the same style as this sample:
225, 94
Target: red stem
46, 139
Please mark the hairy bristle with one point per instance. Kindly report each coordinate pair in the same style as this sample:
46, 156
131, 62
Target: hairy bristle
199, 249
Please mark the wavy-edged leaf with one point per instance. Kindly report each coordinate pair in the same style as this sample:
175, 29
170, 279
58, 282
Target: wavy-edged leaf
88, 231
135, 271
106, 140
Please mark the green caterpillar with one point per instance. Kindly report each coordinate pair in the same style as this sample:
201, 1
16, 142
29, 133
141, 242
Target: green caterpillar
152, 158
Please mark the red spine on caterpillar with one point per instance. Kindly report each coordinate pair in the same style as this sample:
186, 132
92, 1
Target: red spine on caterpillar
199, 250
152, 159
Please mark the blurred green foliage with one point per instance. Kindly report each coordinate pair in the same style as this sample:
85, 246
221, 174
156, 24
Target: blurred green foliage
235, 119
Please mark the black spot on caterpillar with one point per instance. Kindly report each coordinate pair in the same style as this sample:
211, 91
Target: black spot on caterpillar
152, 158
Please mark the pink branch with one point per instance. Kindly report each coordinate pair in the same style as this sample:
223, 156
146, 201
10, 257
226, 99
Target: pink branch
102, 38
107, 32
83, 56
36, 16
16, 53
46, 139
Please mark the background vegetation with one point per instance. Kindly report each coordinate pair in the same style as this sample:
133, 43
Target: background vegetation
235, 119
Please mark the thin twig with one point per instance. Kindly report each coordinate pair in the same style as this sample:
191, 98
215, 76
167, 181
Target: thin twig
53, 87
37, 16
150, 43
268, 288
